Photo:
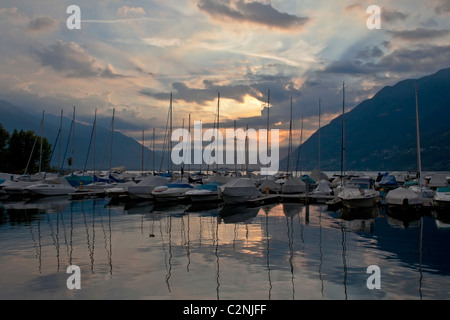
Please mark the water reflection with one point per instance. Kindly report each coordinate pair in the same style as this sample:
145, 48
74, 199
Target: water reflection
278, 251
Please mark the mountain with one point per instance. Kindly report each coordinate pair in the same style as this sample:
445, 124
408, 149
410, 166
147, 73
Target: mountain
126, 151
380, 133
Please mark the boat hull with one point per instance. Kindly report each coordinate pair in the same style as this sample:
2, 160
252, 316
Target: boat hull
197, 198
355, 203
441, 204
50, 191
173, 195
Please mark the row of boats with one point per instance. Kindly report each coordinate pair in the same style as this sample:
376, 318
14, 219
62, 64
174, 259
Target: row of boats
351, 191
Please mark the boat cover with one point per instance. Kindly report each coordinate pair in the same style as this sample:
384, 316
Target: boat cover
241, 187
294, 185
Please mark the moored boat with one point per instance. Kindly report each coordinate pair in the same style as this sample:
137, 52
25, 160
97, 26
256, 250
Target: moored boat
240, 191
403, 199
205, 192
174, 191
441, 200
359, 193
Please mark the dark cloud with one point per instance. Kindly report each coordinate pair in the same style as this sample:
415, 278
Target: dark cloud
254, 12
404, 60
69, 57
422, 59
369, 53
443, 7
419, 34
202, 95
392, 15
41, 24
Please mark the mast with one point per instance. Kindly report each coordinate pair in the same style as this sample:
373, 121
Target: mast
288, 169
189, 130
112, 139
142, 164
59, 144
235, 147
73, 136
343, 135
153, 151
218, 130
169, 138
42, 137
419, 161
268, 121
95, 138
319, 134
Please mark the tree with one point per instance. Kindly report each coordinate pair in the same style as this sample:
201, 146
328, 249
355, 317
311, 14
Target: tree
24, 152
4, 137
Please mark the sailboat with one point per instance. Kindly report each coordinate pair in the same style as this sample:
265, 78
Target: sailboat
50, 187
205, 192
174, 191
144, 188
403, 199
360, 191
239, 191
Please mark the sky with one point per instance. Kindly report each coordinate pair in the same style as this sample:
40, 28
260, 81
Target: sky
130, 55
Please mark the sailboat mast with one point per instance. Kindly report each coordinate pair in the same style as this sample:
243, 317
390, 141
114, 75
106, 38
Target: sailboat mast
343, 134
95, 138
170, 138
112, 139
189, 130
419, 161
290, 142
153, 151
42, 136
268, 121
319, 134
143, 141
60, 139
218, 130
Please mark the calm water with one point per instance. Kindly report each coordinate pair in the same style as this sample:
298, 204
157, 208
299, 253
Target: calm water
281, 251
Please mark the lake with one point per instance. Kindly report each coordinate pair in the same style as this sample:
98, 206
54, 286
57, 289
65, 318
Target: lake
281, 251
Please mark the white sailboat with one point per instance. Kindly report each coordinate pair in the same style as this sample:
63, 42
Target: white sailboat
143, 189
174, 191
239, 191
425, 193
403, 198
205, 192
50, 187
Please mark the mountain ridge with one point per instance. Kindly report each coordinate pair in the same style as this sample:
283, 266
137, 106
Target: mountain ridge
380, 133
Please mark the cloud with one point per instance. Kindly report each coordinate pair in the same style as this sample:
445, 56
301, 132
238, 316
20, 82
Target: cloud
443, 7
203, 95
163, 42
403, 60
253, 12
392, 15
69, 57
419, 34
128, 12
41, 24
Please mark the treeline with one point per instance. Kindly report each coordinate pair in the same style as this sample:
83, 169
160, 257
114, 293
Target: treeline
20, 152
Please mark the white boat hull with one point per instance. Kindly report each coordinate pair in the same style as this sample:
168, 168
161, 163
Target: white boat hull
50, 191
363, 202
173, 194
